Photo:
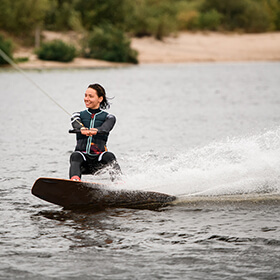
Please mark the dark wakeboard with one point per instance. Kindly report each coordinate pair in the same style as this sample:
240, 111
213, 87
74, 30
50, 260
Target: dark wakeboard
84, 195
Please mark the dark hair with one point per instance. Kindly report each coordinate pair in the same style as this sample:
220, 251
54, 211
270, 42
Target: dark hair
101, 92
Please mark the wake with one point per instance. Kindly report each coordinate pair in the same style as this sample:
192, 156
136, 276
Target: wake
238, 166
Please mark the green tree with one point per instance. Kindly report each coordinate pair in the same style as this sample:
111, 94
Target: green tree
21, 17
62, 15
273, 9
247, 15
256, 18
98, 12
188, 15
153, 17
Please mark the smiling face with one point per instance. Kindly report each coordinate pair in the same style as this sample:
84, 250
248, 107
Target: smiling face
91, 99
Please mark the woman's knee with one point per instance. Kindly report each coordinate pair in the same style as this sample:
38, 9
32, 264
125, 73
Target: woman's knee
108, 157
76, 156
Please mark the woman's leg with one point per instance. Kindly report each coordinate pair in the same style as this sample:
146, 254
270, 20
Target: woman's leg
76, 161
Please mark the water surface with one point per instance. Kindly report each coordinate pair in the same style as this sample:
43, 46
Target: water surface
207, 133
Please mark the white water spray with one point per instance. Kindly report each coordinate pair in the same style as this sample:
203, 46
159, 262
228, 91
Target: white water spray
248, 165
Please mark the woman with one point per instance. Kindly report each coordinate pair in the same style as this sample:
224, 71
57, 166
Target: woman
93, 126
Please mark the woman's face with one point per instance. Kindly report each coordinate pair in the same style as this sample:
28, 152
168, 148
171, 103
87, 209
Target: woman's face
91, 99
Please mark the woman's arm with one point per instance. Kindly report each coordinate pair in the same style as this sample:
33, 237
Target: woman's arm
76, 121
108, 125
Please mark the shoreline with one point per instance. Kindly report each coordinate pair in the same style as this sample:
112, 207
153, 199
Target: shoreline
209, 47
187, 47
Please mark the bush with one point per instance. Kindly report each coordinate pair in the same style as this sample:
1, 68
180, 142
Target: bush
210, 20
109, 43
56, 50
7, 47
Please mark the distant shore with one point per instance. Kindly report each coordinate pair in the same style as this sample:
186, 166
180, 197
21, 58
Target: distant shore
207, 47
184, 48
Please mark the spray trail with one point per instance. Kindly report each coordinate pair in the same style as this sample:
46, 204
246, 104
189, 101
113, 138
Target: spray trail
248, 165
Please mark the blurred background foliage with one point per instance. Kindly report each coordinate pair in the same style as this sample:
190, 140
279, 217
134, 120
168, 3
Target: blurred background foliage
6, 46
158, 18
56, 50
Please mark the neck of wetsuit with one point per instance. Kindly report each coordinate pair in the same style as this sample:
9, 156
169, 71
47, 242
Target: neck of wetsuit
94, 111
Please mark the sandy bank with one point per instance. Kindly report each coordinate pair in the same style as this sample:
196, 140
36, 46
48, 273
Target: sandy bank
186, 47
200, 47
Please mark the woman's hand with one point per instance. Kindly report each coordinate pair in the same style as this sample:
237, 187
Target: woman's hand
89, 132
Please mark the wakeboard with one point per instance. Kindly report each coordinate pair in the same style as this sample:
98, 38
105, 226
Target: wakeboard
80, 195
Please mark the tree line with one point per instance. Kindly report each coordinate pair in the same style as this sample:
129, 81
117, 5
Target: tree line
139, 17
159, 18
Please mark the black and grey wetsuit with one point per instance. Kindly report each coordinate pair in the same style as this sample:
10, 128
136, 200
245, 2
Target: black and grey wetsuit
91, 153
90, 118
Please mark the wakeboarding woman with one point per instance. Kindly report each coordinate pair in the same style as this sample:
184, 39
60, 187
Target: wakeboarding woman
93, 126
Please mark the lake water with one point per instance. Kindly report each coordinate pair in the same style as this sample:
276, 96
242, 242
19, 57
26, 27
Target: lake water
208, 133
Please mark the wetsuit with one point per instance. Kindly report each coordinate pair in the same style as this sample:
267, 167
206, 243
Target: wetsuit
91, 153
